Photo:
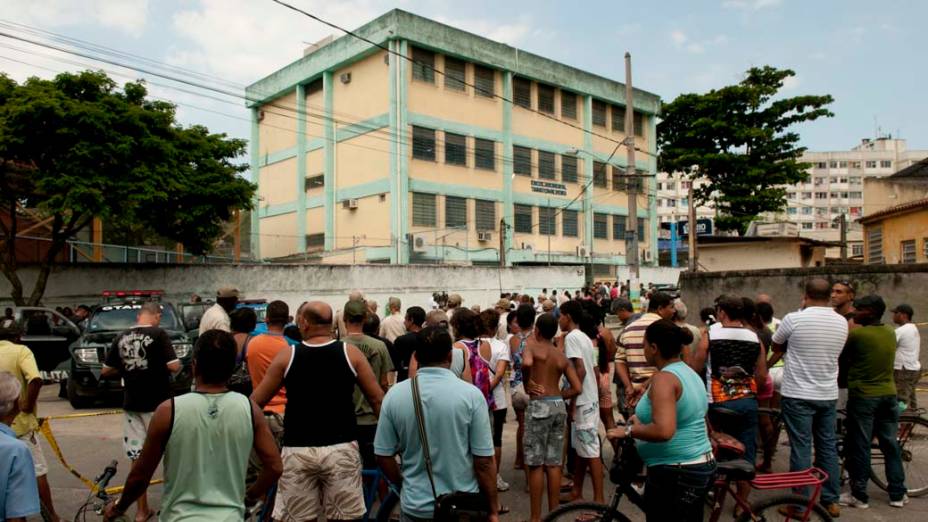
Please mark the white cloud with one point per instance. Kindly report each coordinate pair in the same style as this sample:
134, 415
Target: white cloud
682, 41
126, 16
754, 5
678, 37
791, 83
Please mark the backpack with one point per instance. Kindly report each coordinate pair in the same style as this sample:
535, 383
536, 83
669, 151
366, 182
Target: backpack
241, 380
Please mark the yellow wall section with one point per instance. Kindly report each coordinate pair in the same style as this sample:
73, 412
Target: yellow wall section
278, 235
458, 106
367, 94
896, 229
277, 183
315, 220
362, 159
371, 219
315, 114
278, 128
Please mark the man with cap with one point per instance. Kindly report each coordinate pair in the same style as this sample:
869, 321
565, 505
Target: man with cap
872, 407
502, 330
393, 325
338, 327
907, 369
216, 317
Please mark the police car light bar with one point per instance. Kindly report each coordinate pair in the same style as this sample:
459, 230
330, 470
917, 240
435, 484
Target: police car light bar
122, 294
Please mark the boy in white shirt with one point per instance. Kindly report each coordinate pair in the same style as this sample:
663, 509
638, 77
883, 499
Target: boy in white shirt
907, 368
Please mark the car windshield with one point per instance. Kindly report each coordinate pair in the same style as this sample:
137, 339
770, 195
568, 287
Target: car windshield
117, 317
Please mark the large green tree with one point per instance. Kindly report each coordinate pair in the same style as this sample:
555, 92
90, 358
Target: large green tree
737, 138
79, 146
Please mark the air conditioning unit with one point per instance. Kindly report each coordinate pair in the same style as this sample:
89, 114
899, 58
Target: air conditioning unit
345, 77
646, 255
484, 236
581, 251
420, 243
528, 248
350, 204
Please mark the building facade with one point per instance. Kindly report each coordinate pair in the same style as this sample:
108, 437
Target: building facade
898, 234
447, 148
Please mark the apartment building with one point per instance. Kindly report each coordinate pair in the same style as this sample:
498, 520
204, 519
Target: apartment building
428, 151
673, 203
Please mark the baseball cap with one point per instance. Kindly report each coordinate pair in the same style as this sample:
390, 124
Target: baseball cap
355, 309
455, 299
904, 308
227, 291
871, 302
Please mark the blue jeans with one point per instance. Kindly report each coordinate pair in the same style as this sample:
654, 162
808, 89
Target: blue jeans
742, 427
811, 423
868, 417
677, 492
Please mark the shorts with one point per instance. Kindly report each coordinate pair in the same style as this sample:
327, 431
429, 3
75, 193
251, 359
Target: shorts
605, 397
38, 457
498, 420
776, 373
584, 432
134, 430
545, 420
765, 389
327, 474
519, 397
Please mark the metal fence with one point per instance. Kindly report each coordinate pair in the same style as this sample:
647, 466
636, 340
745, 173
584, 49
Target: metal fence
83, 252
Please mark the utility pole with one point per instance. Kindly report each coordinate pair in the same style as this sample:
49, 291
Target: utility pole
549, 238
842, 223
691, 235
502, 243
631, 231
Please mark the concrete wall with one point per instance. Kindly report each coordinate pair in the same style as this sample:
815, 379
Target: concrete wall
652, 274
880, 194
70, 285
768, 254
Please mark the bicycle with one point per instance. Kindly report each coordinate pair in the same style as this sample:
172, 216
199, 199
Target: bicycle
99, 497
628, 468
388, 505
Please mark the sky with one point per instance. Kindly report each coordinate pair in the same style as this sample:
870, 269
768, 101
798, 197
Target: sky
869, 56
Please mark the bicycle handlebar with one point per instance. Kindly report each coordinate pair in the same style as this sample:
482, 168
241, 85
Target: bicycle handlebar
108, 473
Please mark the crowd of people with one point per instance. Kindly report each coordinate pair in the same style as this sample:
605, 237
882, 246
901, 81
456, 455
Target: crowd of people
423, 395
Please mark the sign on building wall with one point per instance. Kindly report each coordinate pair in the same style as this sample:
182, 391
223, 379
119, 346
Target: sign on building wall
703, 228
549, 187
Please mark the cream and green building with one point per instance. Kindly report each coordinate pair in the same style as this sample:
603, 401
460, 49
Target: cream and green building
363, 156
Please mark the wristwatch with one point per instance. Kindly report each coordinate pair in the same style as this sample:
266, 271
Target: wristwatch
628, 431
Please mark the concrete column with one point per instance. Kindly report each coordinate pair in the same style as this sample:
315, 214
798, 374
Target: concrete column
300, 168
329, 168
586, 181
403, 149
255, 178
508, 212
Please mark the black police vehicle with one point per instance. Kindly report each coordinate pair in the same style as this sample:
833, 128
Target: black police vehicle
118, 313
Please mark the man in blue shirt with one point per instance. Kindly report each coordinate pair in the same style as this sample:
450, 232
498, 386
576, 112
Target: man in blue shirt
456, 420
19, 495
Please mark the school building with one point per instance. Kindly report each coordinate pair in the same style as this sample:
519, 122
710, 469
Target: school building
446, 147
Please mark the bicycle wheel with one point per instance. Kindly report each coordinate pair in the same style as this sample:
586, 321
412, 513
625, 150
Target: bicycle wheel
913, 441
585, 512
777, 508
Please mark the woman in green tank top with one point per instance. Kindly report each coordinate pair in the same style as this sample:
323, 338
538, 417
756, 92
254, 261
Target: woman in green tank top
669, 423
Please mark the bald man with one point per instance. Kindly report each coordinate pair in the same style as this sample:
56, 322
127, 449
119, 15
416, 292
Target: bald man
338, 325
322, 465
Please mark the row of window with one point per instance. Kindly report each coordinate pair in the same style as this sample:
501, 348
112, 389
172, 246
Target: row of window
456, 149
825, 195
544, 99
672, 185
908, 249
425, 214
870, 164
822, 181
821, 211
671, 203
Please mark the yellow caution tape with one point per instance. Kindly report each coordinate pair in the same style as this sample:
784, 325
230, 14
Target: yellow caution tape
45, 428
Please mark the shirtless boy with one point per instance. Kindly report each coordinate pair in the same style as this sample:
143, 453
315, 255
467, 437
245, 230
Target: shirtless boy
543, 365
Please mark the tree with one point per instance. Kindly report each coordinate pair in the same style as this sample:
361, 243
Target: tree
737, 139
77, 147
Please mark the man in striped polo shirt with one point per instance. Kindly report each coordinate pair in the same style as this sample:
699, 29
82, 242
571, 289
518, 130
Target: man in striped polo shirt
631, 365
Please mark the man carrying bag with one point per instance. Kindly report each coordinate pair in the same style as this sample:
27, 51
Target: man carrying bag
457, 478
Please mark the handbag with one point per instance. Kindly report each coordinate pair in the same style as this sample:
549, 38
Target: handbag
458, 505
240, 381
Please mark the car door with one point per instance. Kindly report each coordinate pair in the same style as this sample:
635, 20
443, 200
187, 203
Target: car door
48, 334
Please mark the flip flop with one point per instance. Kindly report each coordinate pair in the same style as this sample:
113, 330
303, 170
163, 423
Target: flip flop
503, 509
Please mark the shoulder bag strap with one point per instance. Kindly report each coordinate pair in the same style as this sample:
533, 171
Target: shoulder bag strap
244, 355
423, 436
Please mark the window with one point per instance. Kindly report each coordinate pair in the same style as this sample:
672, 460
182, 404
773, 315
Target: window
671, 185
568, 105
871, 164
484, 154
821, 211
806, 211
546, 165
908, 251
790, 195
835, 195
855, 164
791, 211
523, 218
818, 182
547, 222
599, 113
807, 226
857, 250
600, 226
833, 164
599, 174
875, 245
454, 73
423, 143
642, 227
842, 180
455, 212
886, 164
638, 119
522, 92
855, 195
855, 180
855, 211
618, 118
545, 98
844, 195
455, 149
686, 185
423, 65
806, 195
315, 182
684, 202
315, 242
522, 160
485, 81
486, 214
671, 202
569, 223
618, 227
925, 247
821, 165
423, 210
821, 195
618, 179
314, 87
569, 169
842, 164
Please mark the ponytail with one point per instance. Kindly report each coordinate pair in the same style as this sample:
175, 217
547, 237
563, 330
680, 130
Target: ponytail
668, 338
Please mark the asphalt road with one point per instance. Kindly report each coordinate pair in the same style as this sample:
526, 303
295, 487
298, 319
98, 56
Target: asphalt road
89, 443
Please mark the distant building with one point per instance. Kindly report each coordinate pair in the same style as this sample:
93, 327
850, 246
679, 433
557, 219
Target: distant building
364, 157
725, 253
895, 224
673, 202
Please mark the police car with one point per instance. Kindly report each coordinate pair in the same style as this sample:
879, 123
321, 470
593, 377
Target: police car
114, 315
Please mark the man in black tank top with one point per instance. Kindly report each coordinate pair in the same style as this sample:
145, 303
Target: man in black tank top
320, 451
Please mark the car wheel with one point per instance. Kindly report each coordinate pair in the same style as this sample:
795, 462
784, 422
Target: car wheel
77, 401
63, 389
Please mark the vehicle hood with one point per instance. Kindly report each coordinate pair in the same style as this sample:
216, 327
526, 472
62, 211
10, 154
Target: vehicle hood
106, 338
